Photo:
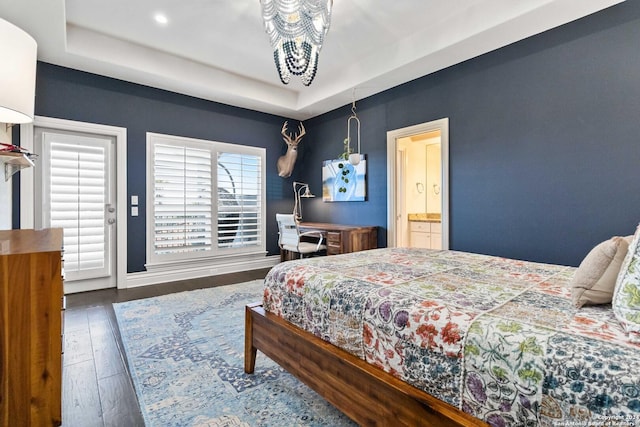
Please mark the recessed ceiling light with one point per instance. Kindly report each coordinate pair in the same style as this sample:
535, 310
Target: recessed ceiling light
161, 18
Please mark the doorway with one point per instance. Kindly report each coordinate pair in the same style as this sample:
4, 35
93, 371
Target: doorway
75, 187
418, 186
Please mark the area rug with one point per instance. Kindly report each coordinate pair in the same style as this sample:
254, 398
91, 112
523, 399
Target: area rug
185, 353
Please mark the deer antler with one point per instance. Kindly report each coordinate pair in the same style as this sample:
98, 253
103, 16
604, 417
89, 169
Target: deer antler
302, 133
296, 138
287, 138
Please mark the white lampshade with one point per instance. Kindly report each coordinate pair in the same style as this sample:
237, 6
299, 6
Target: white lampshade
17, 74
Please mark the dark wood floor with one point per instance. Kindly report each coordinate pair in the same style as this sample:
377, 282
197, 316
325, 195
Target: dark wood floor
97, 389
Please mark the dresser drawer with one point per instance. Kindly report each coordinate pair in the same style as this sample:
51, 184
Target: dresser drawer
420, 226
334, 244
333, 238
436, 227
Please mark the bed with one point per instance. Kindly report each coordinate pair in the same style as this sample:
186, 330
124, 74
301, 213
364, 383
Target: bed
423, 337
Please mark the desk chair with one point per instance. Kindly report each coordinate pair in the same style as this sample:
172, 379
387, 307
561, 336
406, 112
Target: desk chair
289, 237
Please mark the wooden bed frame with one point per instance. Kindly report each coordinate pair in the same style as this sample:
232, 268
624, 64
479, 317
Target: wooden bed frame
366, 394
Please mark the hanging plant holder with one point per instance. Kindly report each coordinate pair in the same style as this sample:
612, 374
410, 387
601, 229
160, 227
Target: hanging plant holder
354, 157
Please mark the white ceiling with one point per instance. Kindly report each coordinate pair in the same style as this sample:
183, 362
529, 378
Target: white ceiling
218, 50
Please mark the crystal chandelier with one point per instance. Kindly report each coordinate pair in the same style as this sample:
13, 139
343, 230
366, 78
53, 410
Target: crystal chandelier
296, 29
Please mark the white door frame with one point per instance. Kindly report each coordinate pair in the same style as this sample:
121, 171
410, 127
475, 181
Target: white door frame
392, 136
27, 181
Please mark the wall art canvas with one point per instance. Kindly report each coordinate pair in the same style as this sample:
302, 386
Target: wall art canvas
344, 182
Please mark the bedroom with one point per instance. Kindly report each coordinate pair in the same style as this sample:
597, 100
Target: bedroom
543, 140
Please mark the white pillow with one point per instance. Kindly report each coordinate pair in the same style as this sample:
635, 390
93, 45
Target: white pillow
595, 279
626, 296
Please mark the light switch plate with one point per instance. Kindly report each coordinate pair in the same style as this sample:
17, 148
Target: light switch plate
134, 211
134, 200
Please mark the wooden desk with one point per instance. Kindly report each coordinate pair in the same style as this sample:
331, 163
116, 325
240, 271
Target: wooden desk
342, 239
339, 238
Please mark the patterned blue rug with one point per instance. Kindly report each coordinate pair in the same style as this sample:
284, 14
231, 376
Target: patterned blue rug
185, 354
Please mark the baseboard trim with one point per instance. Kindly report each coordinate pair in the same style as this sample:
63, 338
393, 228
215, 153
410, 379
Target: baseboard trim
74, 288
146, 278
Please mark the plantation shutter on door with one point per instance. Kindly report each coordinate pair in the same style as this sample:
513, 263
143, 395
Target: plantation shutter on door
239, 200
77, 198
182, 199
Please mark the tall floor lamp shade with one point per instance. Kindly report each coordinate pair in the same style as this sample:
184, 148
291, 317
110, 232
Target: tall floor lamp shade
17, 74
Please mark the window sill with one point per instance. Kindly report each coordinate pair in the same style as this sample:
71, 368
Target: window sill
177, 271
204, 263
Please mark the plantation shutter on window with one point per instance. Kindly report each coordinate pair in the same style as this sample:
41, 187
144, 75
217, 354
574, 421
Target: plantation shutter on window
239, 200
206, 202
77, 197
182, 199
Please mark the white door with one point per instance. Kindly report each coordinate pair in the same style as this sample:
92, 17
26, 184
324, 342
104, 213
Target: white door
79, 195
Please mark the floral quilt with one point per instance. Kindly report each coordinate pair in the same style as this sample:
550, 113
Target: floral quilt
495, 337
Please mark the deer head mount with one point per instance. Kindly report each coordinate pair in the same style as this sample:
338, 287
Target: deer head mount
288, 160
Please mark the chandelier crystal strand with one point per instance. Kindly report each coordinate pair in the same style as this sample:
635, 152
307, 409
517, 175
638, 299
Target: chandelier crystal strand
296, 30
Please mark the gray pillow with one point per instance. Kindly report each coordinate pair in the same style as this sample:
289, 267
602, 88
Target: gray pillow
595, 279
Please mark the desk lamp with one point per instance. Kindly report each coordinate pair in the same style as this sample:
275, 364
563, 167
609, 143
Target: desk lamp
298, 187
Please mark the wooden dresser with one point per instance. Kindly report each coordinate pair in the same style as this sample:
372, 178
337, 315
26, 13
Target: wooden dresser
31, 305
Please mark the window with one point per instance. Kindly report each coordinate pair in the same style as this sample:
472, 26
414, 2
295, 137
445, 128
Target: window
205, 199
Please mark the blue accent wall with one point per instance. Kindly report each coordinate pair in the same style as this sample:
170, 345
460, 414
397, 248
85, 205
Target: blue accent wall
74, 95
544, 142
